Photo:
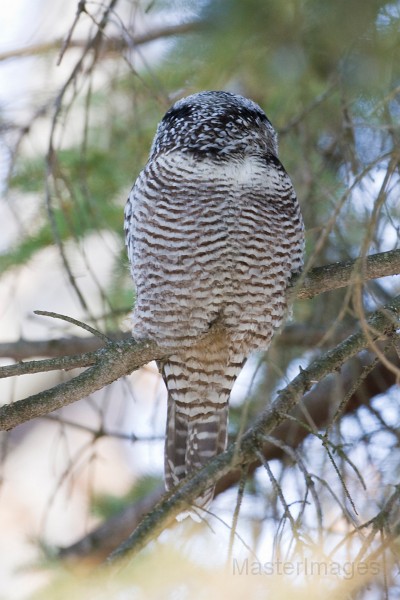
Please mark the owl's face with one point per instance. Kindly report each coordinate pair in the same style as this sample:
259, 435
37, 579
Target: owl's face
215, 125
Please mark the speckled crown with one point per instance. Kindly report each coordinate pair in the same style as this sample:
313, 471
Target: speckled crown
215, 124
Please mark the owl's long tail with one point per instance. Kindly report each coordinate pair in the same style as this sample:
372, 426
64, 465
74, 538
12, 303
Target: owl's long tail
191, 441
197, 421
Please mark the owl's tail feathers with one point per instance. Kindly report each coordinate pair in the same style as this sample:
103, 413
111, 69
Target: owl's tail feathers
195, 434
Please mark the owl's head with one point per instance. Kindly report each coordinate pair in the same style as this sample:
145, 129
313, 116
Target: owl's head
217, 125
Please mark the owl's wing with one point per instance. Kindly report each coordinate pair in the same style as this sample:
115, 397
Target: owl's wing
282, 197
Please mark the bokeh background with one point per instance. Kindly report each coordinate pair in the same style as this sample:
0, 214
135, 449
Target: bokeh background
76, 124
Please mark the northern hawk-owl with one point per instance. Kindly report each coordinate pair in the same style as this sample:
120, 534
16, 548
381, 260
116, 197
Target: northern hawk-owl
214, 233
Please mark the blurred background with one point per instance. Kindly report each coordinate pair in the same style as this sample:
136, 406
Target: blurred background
78, 111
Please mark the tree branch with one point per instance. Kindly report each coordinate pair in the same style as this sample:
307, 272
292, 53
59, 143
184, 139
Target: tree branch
293, 335
23, 349
65, 363
111, 44
245, 450
112, 362
341, 274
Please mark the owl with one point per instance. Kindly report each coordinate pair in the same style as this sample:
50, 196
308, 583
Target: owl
214, 233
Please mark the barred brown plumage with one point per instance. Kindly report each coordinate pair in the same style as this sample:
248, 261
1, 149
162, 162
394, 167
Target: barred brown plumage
214, 233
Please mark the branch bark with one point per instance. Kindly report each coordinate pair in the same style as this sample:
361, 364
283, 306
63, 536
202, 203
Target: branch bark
341, 274
112, 362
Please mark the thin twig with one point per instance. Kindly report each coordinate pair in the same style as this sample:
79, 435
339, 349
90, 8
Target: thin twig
54, 315
81, 8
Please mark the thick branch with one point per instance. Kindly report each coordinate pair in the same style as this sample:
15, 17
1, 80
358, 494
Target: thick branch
342, 274
244, 452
